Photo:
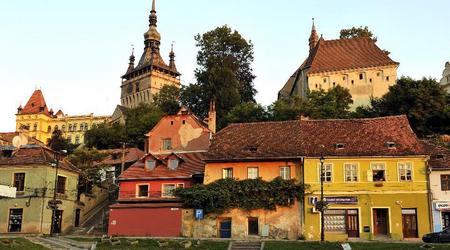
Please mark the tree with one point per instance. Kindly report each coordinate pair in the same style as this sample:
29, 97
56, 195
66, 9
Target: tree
85, 159
360, 31
139, 121
167, 99
58, 143
287, 109
224, 73
246, 112
424, 101
105, 136
331, 104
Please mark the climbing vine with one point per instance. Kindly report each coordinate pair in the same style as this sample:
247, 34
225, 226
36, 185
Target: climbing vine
225, 194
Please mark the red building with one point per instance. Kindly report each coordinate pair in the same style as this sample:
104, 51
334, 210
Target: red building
146, 205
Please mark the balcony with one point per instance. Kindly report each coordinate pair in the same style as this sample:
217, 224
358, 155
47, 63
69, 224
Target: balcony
130, 196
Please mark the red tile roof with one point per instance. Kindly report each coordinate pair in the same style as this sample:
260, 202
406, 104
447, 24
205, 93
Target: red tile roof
34, 155
35, 103
190, 164
115, 156
341, 54
294, 139
6, 139
439, 156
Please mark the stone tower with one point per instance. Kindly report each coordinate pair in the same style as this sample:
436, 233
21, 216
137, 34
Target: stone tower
142, 81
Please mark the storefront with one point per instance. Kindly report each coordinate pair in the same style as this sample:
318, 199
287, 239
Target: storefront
441, 215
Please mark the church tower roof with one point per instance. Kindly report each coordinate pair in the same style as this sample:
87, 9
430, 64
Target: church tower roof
313, 38
172, 59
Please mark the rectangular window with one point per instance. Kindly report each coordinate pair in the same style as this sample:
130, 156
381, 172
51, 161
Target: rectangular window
252, 173
61, 185
405, 171
168, 189
253, 227
227, 173
351, 172
15, 220
285, 173
342, 220
378, 171
445, 182
167, 144
19, 182
327, 172
142, 190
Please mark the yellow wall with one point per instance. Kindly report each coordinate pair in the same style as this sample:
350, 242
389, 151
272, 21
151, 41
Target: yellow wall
392, 194
361, 90
43, 122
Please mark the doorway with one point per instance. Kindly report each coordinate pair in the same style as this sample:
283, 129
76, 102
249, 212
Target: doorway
409, 221
225, 228
56, 221
445, 219
77, 217
380, 221
15, 220
352, 223
253, 227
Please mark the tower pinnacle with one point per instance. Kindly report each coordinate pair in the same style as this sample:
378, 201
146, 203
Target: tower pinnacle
172, 59
313, 38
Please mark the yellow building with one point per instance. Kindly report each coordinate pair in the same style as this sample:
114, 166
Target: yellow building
375, 178
356, 64
144, 80
37, 121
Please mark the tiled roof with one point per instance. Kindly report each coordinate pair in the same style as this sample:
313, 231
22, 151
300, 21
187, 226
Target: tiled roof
34, 155
303, 138
190, 164
114, 156
439, 156
341, 54
34, 104
6, 139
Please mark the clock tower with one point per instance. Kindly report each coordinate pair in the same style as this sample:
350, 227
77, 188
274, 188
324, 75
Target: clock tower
151, 73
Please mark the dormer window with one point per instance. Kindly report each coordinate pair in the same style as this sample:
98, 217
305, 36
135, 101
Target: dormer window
184, 112
173, 164
339, 145
391, 145
252, 149
150, 164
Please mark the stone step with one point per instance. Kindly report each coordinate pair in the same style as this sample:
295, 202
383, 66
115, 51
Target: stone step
246, 245
77, 244
52, 244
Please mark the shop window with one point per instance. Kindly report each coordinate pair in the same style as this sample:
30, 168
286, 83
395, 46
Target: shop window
19, 182
445, 182
15, 220
378, 171
252, 173
227, 173
405, 171
327, 172
351, 172
61, 185
253, 226
142, 190
342, 221
167, 144
285, 173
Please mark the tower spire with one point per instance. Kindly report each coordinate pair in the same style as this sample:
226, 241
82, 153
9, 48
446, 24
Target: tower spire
132, 58
172, 59
313, 38
153, 18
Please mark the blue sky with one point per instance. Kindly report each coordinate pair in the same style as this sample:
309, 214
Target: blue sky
76, 51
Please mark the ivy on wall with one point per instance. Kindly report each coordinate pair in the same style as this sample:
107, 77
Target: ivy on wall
225, 194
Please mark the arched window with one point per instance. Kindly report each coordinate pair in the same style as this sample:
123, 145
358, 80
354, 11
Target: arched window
86, 126
56, 127
70, 127
63, 128
35, 126
74, 127
49, 128
77, 139
81, 126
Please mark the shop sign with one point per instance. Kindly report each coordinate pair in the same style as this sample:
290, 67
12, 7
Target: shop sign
348, 200
6, 191
442, 205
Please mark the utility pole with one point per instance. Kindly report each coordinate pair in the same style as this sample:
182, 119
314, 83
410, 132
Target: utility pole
57, 157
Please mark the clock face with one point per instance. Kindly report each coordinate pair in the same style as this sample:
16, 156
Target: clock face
129, 88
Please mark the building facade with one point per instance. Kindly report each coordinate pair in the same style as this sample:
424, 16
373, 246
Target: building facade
37, 121
29, 170
330, 63
151, 73
445, 80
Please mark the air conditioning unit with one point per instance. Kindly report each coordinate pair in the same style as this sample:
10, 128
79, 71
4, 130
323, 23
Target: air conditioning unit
314, 210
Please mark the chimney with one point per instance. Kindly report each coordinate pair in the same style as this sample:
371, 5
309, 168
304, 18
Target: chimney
212, 116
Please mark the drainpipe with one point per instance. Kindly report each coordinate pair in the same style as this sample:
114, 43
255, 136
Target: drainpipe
302, 207
430, 202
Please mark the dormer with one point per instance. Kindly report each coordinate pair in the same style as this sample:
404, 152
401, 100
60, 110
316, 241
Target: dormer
391, 145
150, 162
339, 145
173, 161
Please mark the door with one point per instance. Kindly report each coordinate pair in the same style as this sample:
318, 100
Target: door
409, 221
352, 223
56, 221
253, 227
445, 220
77, 217
380, 221
225, 228
15, 220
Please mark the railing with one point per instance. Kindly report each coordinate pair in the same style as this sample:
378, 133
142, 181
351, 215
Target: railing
126, 195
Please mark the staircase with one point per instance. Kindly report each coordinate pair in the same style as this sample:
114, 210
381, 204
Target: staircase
246, 245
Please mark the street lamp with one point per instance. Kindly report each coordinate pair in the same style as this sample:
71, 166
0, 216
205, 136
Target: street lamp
57, 156
322, 203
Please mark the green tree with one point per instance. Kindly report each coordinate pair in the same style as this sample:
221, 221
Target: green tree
331, 104
287, 109
354, 32
167, 99
424, 101
105, 136
223, 73
86, 160
58, 143
139, 121
246, 112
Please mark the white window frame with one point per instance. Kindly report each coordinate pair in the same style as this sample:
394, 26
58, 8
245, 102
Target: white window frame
283, 172
223, 173
176, 185
374, 166
137, 190
331, 165
356, 165
252, 177
405, 164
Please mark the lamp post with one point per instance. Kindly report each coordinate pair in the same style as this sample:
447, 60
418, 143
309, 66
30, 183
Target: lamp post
57, 156
322, 222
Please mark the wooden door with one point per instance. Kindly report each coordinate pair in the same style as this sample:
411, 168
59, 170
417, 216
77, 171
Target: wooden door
380, 221
409, 221
352, 223
225, 228
57, 221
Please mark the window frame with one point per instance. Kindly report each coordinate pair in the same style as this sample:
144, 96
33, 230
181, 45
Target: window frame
58, 186
176, 185
137, 194
373, 164
283, 172
165, 146
23, 181
227, 169
447, 176
331, 165
356, 165
405, 164
248, 172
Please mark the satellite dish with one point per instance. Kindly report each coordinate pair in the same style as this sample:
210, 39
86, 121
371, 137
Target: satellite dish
19, 140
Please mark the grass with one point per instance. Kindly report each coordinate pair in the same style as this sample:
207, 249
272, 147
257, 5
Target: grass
151, 244
18, 243
286, 245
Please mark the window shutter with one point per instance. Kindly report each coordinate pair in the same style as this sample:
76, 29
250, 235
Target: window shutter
369, 175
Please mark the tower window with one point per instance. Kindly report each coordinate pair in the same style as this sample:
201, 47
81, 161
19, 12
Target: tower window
317, 86
324, 80
361, 76
343, 78
387, 78
370, 79
334, 83
353, 82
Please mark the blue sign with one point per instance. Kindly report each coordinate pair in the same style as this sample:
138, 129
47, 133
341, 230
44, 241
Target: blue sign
198, 214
